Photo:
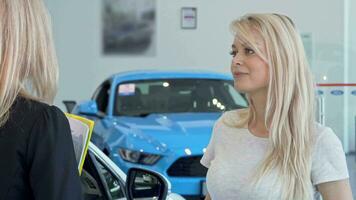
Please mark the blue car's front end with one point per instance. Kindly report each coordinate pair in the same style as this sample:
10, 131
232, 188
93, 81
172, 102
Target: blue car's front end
175, 142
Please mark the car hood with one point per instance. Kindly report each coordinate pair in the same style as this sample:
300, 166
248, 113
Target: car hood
172, 131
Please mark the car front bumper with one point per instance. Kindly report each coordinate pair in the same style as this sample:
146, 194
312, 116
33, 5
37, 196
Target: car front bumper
187, 186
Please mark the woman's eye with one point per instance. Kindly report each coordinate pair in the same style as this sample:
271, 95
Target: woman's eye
249, 51
233, 53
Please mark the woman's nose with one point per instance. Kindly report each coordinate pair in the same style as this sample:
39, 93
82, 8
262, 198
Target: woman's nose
237, 60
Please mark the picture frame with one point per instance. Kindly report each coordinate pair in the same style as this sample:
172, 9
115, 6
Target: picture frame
129, 30
189, 18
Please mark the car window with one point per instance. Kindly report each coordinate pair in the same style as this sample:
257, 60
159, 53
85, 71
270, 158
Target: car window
175, 96
101, 96
116, 190
92, 185
98, 182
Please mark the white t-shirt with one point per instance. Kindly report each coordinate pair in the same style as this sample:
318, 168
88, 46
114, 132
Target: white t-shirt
234, 154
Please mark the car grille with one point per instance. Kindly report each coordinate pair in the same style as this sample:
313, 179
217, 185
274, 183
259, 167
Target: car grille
187, 167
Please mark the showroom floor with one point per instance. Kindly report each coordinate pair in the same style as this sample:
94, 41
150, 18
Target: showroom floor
351, 162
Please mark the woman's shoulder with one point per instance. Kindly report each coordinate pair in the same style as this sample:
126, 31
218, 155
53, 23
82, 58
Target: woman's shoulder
25, 103
27, 116
29, 111
236, 114
32, 106
39, 119
325, 136
233, 118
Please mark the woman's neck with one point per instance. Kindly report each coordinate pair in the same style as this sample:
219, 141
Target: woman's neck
257, 125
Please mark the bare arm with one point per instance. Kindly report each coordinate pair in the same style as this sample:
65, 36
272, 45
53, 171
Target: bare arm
207, 197
335, 190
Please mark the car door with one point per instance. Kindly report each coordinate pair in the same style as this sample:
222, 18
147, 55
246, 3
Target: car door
99, 182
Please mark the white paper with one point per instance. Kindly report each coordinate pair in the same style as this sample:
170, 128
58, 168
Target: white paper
79, 135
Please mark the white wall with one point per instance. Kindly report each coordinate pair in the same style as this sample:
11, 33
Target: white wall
352, 72
77, 29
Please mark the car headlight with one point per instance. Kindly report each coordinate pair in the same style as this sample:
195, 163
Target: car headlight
138, 157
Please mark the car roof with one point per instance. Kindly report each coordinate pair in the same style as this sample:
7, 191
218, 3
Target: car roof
162, 74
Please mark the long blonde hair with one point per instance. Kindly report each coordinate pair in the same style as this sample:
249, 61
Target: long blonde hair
290, 101
28, 63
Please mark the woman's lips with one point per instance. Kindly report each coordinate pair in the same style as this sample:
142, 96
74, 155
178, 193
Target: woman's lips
239, 74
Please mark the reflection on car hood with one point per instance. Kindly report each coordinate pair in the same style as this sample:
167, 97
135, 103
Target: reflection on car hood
173, 131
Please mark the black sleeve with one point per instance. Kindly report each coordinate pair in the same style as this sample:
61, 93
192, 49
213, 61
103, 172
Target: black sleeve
53, 172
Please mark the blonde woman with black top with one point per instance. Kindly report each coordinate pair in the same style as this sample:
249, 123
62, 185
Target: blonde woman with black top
36, 150
274, 149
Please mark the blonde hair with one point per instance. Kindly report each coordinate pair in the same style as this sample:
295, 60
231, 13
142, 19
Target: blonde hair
290, 101
28, 63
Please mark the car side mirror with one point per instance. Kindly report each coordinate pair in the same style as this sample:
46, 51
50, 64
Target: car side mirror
88, 108
69, 104
144, 184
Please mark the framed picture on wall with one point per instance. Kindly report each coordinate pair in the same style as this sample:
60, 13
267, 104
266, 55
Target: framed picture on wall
189, 18
129, 27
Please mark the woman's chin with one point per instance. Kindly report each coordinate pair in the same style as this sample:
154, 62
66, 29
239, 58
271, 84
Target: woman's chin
240, 88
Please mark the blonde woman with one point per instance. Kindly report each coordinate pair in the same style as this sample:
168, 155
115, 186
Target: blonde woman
274, 149
37, 157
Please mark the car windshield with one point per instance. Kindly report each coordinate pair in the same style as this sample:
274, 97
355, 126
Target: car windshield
141, 98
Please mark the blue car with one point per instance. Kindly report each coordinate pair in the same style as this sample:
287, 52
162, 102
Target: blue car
161, 121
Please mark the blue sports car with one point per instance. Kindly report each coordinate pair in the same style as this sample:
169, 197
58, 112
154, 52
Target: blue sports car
161, 121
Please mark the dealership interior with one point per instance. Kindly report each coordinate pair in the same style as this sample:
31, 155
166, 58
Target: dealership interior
146, 66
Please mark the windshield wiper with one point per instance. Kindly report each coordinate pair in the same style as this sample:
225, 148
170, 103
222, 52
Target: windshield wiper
137, 115
143, 114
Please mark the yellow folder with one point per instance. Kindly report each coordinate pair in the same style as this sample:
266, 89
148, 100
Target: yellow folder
81, 129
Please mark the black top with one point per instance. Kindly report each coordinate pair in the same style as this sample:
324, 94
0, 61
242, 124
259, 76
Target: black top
36, 154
